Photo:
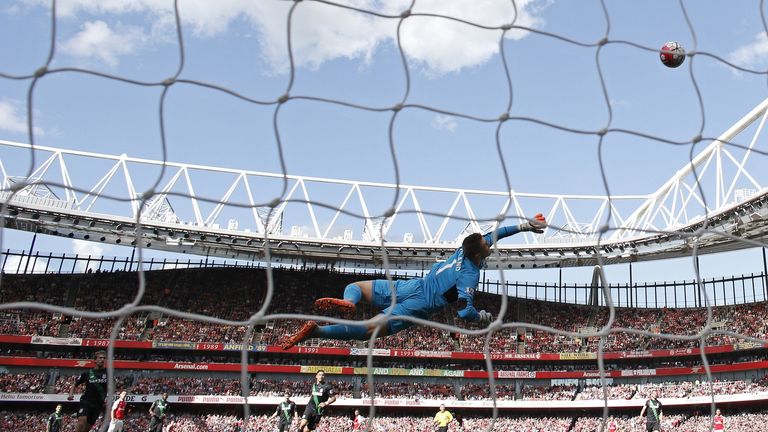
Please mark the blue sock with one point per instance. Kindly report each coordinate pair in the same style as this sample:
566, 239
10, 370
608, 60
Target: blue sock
341, 331
353, 293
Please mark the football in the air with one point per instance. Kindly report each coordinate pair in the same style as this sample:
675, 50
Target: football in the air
672, 54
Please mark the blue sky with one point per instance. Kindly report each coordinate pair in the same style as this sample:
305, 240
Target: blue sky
353, 57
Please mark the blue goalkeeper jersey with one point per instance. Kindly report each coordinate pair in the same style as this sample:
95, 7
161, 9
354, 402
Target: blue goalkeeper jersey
457, 278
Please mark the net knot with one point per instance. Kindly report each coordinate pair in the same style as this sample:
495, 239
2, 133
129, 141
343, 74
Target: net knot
283, 99
602, 41
504, 117
148, 194
697, 139
19, 185
169, 81
40, 72
405, 14
397, 107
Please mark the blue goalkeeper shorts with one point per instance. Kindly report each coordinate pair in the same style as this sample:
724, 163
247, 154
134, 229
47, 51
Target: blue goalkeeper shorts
410, 301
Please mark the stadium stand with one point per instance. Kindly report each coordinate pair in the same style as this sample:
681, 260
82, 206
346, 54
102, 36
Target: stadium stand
188, 290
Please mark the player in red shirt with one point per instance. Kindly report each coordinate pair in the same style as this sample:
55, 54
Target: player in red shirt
358, 423
118, 413
719, 421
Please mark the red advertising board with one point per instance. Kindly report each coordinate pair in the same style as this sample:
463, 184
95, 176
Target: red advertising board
343, 370
343, 352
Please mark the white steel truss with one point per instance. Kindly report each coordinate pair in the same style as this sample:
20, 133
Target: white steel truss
670, 206
716, 182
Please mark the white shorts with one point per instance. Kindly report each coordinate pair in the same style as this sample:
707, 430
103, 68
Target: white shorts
115, 426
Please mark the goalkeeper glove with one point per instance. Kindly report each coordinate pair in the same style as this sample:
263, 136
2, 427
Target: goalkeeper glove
485, 317
537, 224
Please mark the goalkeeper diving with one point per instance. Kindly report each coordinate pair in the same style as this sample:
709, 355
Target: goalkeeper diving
453, 280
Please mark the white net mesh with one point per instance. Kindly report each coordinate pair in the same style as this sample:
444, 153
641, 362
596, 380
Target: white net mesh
290, 106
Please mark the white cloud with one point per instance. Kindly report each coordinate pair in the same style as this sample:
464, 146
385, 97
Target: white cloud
438, 45
752, 55
32, 266
320, 32
12, 9
98, 41
84, 248
444, 122
71, 8
443, 46
313, 40
13, 119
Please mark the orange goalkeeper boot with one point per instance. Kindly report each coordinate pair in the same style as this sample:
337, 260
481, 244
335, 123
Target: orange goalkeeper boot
300, 335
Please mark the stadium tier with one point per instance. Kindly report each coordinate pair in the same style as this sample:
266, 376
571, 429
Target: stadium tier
543, 380
223, 421
209, 291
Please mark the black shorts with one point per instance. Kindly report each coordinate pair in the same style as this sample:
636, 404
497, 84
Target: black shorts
90, 411
312, 417
283, 426
652, 426
155, 424
442, 429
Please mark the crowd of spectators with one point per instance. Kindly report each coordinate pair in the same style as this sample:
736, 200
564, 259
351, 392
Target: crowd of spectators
625, 423
188, 330
718, 387
749, 319
688, 389
40, 289
239, 293
415, 338
569, 318
181, 385
90, 296
34, 421
526, 424
268, 387
555, 392
24, 422
420, 338
102, 328
668, 389
187, 386
752, 422
680, 322
592, 424
406, 389
483, 392
64, 382
277, 330
615, 391
29, 323
215, 420
636, 319
410, 390
726, 388
23, 383
475, 392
